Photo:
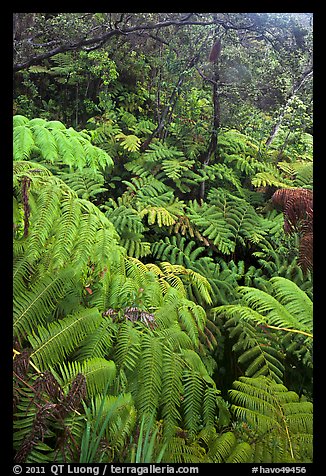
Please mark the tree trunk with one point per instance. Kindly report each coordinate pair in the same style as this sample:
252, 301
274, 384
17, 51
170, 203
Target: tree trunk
169, 107
212, 148
279, 121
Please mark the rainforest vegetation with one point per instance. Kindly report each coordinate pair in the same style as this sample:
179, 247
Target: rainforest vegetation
163, 210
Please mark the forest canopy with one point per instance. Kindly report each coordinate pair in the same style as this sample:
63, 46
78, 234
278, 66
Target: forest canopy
163, 237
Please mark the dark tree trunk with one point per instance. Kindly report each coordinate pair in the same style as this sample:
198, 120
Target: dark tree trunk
212, 148
168, 110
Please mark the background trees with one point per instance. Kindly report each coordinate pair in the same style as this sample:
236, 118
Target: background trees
159, 292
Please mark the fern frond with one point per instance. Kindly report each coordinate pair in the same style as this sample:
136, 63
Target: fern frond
158, 151
241, 453
129, 142
171, 391
262, 179
192, 403
23, 142
55, 144
211, 223
149, 372
293, 299
35, 306
99, 342
53, 343
158, 215
86, 183
128, 346
273, 411
99, 373
274, 312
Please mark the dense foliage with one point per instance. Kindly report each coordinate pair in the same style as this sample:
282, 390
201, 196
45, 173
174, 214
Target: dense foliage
163, 238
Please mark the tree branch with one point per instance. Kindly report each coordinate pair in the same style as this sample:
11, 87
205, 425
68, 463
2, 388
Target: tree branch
100, 40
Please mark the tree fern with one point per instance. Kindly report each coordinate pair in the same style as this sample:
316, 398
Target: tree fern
138, 341
53, 143
211, 223
244, 224
259, 352
86, 183
278, 417
285, 309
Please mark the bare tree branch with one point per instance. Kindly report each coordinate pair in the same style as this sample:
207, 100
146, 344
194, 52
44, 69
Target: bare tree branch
117, 30
100, 40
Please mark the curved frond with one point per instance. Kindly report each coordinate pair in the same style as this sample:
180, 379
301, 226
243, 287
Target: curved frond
57, 340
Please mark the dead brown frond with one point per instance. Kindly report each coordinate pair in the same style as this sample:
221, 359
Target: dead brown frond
297, 207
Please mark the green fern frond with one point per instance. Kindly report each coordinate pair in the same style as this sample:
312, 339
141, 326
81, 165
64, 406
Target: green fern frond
192, 403
222, 174
144, 126
99, 373
53, 343
35, 306
212, 224
86, 183
274, 313
241, 454
128, 346
273, 411
242, 220
19, 120
180, 450
55, 144
171, 391
224, 448
66, 235
262, 179
175, 338
23, 142
149, 376
99, 342
45, 142
293, 299
129, 226
175, 168
158, 215
158, 151
177, 250
129, 142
